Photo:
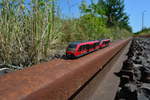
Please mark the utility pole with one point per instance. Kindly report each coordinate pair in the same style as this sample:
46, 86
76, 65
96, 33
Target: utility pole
143, 13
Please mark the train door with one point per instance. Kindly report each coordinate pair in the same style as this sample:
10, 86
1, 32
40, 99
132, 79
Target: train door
97, 45
81, 50
107, 43
91, 47
84, 49
87, 48
102, 44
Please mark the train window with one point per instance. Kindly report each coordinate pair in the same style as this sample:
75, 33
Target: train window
92, 46
96, 44
106, 42
87, 46
71, 47
82, 47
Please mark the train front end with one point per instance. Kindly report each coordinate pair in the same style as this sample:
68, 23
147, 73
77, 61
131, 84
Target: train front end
71, 51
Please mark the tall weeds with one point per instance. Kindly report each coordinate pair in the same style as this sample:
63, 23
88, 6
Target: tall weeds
26, 34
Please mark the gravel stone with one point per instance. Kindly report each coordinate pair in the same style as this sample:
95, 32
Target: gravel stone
137, 88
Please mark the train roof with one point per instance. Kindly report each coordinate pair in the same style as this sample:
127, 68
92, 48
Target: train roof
78, 42
103, 39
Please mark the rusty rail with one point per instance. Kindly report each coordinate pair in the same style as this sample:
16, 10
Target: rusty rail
57, 79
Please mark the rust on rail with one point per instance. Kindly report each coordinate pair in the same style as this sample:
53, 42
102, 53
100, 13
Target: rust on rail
57, 79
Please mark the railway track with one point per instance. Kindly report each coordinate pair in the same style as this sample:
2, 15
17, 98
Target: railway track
58, 79
104, 84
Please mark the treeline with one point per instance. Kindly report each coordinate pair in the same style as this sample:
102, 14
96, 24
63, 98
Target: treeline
111, 12
143, 31
33, 31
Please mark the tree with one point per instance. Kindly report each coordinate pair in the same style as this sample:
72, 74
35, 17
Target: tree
111, 11
114, 11
84, 8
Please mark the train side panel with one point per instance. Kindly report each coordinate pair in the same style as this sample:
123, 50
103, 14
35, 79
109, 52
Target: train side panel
86, 47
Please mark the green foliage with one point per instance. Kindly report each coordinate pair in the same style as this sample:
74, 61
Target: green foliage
111, 11
115, 14
26, 35
143, 32
93, 26
84, 7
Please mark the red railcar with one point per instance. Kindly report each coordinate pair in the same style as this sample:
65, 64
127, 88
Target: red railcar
76, 49
104, 43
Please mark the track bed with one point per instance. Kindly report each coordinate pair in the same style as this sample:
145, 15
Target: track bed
135, 73
104, 84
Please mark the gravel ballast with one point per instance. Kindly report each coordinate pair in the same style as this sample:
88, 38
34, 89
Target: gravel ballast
135, 73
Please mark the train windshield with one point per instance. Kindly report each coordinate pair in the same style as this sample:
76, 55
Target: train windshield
71, 47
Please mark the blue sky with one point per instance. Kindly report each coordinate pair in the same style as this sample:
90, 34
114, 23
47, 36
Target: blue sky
134, 8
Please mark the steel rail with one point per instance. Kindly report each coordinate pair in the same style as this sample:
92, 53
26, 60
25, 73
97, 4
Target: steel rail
56, 79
